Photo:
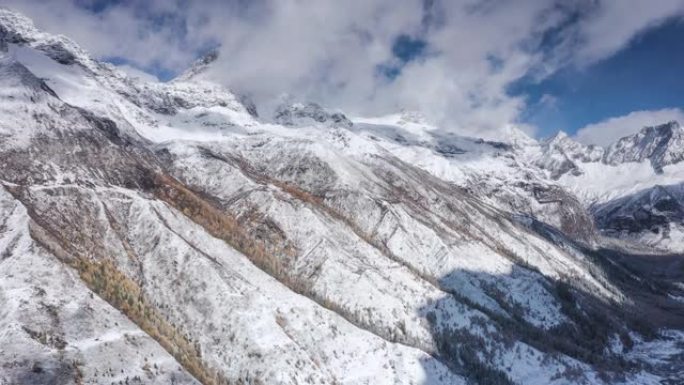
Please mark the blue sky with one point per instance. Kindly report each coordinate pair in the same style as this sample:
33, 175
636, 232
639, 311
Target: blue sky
646, 75
470, 66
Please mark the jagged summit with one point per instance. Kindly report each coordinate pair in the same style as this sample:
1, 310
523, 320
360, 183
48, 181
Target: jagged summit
562, 142
560, 154
662, 145
199, 67
557, 139
15, 28
155, 110
296, 114
623, 182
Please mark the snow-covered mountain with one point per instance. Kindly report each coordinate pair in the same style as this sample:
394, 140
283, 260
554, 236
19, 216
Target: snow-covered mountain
660, 146
166, 233
627, 184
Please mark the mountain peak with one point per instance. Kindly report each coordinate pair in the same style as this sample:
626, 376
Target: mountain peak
661, 130
561, 154
300, 114
14, 24
560, 139
562, 142
560, 135
661, 144
199, 66
18, 29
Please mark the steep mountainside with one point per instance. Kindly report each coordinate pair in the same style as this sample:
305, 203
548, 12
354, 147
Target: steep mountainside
164, 233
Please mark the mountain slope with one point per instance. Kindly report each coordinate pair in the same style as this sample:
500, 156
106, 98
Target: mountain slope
312, 249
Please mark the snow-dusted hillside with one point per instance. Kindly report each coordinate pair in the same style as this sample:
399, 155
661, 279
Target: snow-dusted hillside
165, 233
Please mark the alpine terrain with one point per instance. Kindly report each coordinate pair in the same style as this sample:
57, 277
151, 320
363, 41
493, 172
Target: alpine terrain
166, 233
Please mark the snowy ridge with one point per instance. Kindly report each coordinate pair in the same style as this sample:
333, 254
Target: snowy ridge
649, 157
662, 145
638, 166
561, 155
303, 114
168, 234
198, 67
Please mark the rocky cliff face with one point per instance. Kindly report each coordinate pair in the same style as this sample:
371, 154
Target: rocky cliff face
661, 145
306, 114
561, 154
162, 233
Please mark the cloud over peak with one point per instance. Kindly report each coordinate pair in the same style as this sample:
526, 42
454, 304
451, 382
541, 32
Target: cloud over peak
451, 60
607, 131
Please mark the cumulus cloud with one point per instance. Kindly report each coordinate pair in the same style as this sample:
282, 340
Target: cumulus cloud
343, 54
607, 131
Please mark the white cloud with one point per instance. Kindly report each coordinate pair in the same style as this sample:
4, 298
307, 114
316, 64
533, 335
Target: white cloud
125, 30
615, 23
607, 131
329, 50
137, 73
